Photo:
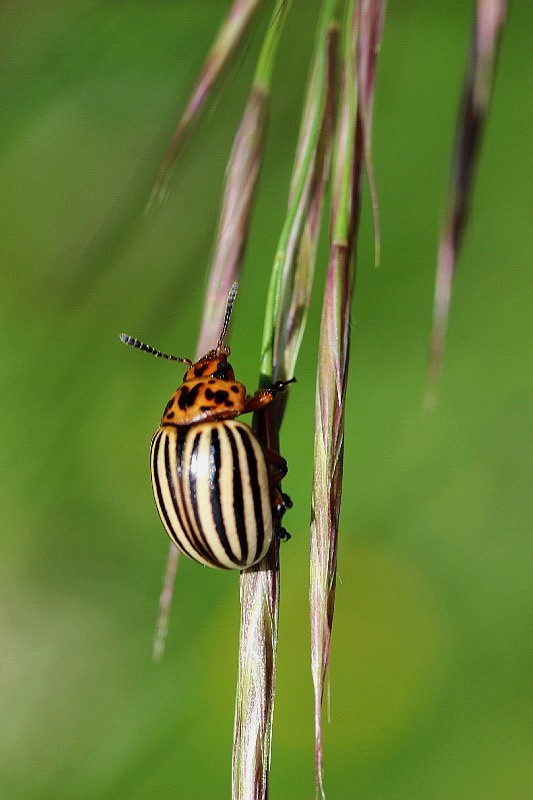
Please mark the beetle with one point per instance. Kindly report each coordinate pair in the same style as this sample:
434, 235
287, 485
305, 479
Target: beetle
216, 488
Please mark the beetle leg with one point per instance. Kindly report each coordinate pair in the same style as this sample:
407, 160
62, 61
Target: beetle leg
261, 398
265, 396
281, 502
278, 465
278, 470
282, 534
287, 502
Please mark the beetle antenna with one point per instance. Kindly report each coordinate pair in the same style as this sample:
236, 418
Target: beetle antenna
232, 294
149, 349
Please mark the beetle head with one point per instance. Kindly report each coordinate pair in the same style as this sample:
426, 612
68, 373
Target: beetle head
214, 364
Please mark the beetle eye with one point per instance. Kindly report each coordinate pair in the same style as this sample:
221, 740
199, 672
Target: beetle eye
223, 371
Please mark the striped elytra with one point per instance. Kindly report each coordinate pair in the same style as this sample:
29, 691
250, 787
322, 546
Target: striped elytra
212, 489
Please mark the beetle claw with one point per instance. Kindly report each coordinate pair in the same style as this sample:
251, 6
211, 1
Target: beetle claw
287, 502
282, 534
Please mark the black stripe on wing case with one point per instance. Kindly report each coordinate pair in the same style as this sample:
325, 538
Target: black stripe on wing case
238, 499
256, 489
175, 516
156, 443
203, 545
214, 487
175, 485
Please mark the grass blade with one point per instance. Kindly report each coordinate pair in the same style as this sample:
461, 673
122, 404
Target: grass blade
372, 19
361, 33
277, 355
165, 603
227, 41
488, 25
311, 173
260, 585
241, 179
256, 678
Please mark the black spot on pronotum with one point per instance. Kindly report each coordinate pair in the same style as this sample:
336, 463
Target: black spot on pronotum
199, 370
188, 396
220, 397
229, 403
235, 389
168, 406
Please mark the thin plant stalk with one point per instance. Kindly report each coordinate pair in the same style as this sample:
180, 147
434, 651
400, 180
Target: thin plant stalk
165, 603
241, 178
333, 354
487, 29
260, 585
274, 349
227, 41
362, 30
372, 16
320, 108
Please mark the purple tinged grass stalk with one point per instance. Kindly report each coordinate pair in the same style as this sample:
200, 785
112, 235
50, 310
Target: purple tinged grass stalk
239, 192
165, 603
329, 414
372, 16
260, 585
488, 24
361, 35
229, 37
241, 180
280, 343
312, 198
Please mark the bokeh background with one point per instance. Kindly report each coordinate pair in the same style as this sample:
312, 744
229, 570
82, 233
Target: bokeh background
429, 663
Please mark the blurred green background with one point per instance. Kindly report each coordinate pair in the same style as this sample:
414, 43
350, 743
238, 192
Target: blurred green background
429, 661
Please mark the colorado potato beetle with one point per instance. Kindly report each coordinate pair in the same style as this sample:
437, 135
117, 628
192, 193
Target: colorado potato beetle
215, 487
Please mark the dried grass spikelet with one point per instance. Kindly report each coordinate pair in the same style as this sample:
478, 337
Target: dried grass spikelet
361, 35
285, 317
488, 24
227, 41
